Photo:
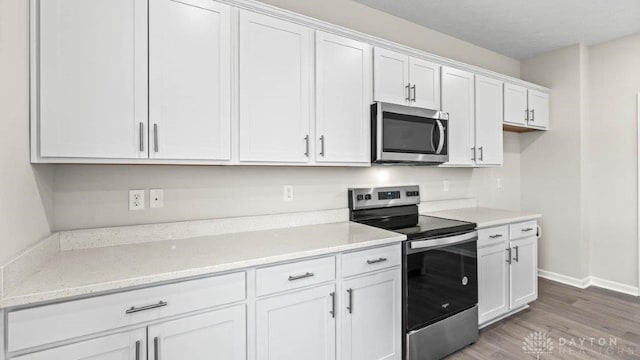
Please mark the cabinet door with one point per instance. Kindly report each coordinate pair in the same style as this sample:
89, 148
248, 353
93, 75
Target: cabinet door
524, 272
92, 72
275, 83
372, 318
190, 80
488, 121
124, 346
538, 109
458, 100
493, 282
343, 98
424, 77
390, 77
219, 334
297, 325
515, 104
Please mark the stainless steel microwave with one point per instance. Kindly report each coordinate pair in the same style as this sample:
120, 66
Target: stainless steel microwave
408, 135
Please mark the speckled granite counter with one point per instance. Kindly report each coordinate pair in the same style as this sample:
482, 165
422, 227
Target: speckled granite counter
485, 217
83, 272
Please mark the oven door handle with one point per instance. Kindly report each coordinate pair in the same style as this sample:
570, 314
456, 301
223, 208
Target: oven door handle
439, 242
441, 135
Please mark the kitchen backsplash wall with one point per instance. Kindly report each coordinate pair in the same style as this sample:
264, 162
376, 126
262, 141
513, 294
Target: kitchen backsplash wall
88, 196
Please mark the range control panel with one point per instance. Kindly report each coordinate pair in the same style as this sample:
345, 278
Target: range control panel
370, 198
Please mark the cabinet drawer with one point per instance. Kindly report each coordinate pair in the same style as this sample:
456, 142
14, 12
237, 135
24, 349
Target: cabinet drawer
295, 275
370, 260
51, 323
523, 230
494, 235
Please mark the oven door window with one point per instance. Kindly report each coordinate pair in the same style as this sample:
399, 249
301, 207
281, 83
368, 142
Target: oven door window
409, 134
440, 282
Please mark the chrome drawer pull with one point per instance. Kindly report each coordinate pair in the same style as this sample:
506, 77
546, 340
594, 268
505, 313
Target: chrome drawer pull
527, 230
134, 309
298, 277
496, 236
371, 262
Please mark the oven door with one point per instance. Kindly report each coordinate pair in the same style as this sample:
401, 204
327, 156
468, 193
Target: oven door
405, 134
440, 278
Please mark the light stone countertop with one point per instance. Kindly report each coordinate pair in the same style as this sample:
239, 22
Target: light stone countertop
77, 273
485, 217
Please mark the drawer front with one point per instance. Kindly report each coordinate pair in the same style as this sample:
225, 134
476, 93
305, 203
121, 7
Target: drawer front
364, 261
523, 230
494, 235
51, 323
295, 275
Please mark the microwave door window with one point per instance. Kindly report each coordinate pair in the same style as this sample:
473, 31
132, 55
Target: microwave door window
406, 136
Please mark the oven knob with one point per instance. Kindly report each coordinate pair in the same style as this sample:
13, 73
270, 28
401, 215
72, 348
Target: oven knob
360, 197
465, 281
367, 197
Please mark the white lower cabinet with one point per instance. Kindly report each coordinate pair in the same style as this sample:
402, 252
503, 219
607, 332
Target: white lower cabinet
219, 334
507, 273
129, 345
372, 317
297, 325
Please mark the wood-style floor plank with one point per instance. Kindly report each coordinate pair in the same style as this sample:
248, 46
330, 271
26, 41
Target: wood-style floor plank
565, 313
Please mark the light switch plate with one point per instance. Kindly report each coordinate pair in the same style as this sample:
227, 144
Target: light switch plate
156, 198
445, 186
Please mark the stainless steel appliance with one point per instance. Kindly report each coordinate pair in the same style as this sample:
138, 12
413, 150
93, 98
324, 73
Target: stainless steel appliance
440, 282
407, 135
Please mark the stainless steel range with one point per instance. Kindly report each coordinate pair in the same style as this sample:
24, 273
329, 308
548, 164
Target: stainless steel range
440, 283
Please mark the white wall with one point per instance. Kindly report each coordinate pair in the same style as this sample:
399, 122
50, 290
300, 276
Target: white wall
25, 191
551, 163
614, 71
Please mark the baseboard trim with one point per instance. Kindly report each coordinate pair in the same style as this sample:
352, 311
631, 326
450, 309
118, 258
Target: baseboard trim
564, 279
589, 281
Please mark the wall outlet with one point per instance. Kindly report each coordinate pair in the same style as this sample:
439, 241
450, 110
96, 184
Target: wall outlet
156, 198
499, 183
445, 186
136, 200
288, 193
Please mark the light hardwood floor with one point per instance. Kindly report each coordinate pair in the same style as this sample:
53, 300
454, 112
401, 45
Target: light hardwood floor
564, 313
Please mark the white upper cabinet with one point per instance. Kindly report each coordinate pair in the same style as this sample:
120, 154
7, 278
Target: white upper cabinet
219, 334
275, 87
515, 104
488, 121
390, 76
189, 80
424, 77
343, 98
401, 79
458, 100
92, 78
538, 109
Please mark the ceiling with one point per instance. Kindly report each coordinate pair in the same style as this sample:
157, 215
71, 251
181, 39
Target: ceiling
521, 28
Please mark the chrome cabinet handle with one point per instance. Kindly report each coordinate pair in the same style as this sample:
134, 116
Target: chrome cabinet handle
496, 236
303, 276
376, 261
350, 306
306, 151
414, 92
322, 145
475, 154
517, 258
481, 148
527, 230
156, 348
509, 257
408, 88
533, 115
333, 305
141, 131
134, 309
526, 114
155, 138
138, 350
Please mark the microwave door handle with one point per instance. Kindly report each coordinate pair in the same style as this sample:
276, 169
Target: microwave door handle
440, 137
